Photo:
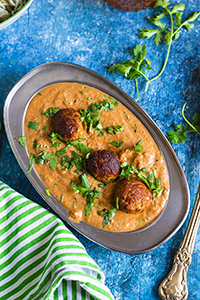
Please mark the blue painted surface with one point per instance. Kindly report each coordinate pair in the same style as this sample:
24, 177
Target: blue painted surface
94, 34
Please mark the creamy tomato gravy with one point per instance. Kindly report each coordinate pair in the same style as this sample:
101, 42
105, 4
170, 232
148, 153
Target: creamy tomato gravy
57, 181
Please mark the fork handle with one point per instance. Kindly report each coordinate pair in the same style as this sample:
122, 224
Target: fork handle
174, 286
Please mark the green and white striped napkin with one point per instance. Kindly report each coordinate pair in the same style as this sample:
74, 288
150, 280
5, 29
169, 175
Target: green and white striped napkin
40, 258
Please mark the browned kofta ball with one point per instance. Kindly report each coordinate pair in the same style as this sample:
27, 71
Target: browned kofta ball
67, 124
104, 165
133, 195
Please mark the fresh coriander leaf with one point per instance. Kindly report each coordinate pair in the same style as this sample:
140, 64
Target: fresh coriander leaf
31, 161
53, 163
114, 129
116, 144
33, 125
78, 161
61, 151
65, 161
178, 8
179, 134
98, 127
193, 18
108, 214
85, 189
126, 170
138, 147
80, 147
47, 155
21, 140
50, 112
102, 185
162, 3
101, 133
55, 137
35, 144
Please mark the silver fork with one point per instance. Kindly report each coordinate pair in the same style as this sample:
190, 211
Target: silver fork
174, 286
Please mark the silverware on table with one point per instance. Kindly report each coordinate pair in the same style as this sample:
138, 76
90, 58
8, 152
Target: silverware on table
174, 286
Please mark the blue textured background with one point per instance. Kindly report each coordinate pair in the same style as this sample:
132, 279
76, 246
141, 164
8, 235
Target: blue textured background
94, 34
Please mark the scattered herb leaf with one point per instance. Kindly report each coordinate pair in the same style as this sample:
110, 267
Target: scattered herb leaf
116, 144
53, 163
114, 129
21, 140
179, 134
91, 115
85, 189
50, 112
108, 214
138, 147
33, 125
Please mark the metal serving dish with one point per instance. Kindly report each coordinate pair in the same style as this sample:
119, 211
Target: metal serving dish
135, 242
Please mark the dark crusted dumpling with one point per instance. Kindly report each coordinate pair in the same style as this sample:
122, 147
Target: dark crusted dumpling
133, 195
104, 165
67, 124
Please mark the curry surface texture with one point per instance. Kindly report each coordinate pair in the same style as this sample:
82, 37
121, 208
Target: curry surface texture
58, 181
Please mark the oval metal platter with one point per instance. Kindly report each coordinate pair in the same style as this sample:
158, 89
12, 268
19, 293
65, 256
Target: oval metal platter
135, 242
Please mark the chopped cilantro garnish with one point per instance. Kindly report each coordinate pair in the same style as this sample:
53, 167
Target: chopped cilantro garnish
35, 144
55, 137
116, 144
91, 115
102, 185
80, 147
138, 147
61, 151
62, 198
53, 163
65, 161
50, 112
21, 140
85, 189
40, 158
108, 214
101, 133
33, 125
114, 129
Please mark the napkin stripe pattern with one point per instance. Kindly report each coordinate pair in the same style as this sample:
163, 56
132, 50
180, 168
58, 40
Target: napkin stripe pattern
40, 258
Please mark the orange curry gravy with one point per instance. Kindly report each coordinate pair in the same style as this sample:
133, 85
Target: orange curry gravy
57, 181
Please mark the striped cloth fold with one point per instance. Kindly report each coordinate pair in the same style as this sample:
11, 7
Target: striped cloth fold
40, 258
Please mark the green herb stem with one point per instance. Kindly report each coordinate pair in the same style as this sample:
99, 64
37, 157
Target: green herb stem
167, 55
194, 129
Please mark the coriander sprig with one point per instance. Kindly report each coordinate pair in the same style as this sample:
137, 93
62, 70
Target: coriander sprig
179, 134
170, 34
137, 66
